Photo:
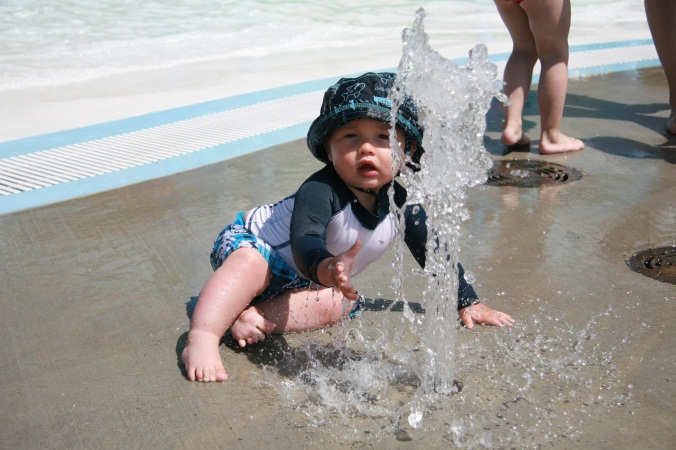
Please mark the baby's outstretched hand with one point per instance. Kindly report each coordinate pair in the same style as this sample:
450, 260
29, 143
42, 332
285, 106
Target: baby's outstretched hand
337, 271
481, 313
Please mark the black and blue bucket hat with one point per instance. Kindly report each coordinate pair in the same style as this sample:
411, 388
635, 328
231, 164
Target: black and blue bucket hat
363, 97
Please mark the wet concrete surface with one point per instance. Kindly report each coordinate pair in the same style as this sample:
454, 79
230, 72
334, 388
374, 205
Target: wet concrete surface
94, 292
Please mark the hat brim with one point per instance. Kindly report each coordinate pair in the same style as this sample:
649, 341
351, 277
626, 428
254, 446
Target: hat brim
323, 126
326, 124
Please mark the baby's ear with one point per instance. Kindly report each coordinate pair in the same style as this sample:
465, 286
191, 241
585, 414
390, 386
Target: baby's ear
414, 148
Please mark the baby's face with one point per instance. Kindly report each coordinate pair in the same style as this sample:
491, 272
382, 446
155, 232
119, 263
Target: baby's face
360, 152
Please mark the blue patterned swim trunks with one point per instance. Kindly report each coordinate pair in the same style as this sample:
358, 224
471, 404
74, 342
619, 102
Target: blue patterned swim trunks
284, 278
236, 236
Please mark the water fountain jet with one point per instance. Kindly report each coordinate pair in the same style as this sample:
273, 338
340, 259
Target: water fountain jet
452, 102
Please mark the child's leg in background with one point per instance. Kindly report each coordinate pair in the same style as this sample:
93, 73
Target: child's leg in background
518, 71
550, 24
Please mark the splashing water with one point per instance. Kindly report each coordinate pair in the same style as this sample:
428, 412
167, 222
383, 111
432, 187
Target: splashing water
542, 379
452, 103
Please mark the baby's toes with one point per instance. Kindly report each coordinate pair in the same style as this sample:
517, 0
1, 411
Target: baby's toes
221, 375
199, 374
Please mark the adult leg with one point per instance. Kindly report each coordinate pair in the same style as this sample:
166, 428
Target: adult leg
243, 275
518, 71
661, 15
550, 23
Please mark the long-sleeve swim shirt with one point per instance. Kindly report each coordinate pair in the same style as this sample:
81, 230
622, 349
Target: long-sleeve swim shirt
323, 218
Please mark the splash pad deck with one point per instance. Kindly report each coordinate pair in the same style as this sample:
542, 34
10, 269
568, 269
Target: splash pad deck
59, 166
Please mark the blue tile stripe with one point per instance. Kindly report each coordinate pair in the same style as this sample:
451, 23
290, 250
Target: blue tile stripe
99, 183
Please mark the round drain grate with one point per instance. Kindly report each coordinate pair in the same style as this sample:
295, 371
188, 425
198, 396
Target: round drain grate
530, 173
658, 263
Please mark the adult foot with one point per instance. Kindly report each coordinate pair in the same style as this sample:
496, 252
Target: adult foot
671, 122
251, 327
201, 357
560, 144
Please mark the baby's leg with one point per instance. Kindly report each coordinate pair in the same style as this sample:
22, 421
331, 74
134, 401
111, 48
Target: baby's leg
300, 310
518, 71
243, 275
550, 24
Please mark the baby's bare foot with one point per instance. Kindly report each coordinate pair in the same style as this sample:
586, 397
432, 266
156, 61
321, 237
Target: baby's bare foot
560, 144
251, 327
201, 358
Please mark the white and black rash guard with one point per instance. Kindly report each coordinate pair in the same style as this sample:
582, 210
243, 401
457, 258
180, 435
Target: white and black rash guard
324, 218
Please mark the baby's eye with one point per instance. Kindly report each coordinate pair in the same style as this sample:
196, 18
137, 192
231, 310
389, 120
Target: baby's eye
384, 136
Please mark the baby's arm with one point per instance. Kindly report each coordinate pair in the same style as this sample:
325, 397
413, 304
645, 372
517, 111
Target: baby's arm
416, 238
480, 313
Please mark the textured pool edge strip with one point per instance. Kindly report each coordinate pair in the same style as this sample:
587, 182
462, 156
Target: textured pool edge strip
80, 160
60, 166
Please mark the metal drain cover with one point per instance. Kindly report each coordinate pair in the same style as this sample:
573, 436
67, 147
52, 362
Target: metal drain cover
658, 263
530, 173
